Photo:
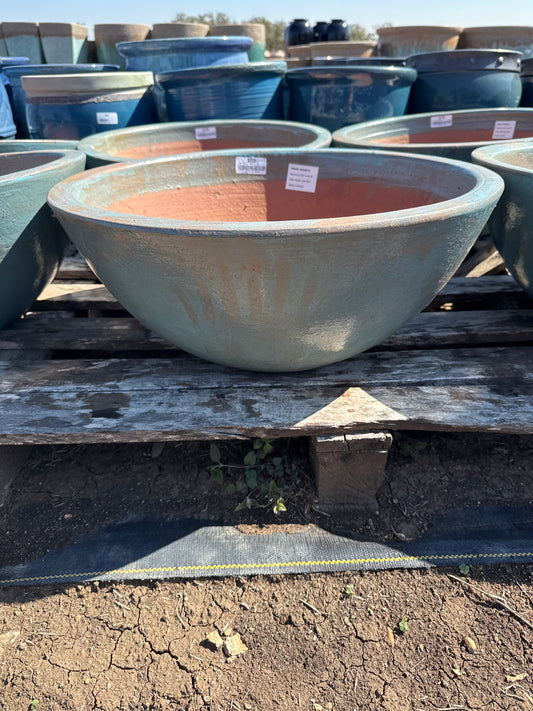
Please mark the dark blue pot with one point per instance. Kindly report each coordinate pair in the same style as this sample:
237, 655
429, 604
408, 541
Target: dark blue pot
337, 96
298, 32
240, 91
465, 79
166, 55
338, 31
526, 77
72, 107
16, 94
320, 32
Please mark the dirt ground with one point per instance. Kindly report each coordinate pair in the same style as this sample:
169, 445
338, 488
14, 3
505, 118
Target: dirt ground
423, 640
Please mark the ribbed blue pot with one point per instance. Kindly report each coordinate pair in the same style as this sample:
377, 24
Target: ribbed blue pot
240, 91
465, 79
165, 55
17, 96
337, 96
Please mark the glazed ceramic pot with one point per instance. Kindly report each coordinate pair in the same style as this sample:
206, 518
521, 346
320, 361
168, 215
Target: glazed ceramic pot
511, 224
184, 52
519, 38
22, 40
320, 31
239, 91
17, 95
411, 39
132, 144
256, 31
343, 49
465, 79
71, 106
106, 37
341, 95
30, 145
286, 262
31, 240
7, 125
168, 30
338, 31
526, 77
361, 61
64, 42
453, 134
298, 32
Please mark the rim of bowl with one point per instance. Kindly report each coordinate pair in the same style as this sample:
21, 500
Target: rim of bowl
89, 144
172, 44
490, 156
64, 157
340, 133
487, 184
343, 71
214, 71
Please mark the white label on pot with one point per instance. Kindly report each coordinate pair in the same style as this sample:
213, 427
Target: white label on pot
205, 133
250, 165
503, 129
441, 121
109, 118
302, 178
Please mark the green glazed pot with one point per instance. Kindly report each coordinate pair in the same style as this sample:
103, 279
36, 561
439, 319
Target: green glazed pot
282, 261
31, 241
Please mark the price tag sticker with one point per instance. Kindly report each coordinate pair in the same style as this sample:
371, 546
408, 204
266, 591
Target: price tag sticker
205, 133
107, 118
250, 165
503, 129
302, 178
441, 121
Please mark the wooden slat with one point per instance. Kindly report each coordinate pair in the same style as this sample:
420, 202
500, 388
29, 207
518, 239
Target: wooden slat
75, 268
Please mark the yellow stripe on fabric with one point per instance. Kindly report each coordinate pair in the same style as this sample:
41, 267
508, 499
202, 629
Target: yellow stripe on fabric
255, 566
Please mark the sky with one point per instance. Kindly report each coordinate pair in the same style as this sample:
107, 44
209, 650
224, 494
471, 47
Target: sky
461, 13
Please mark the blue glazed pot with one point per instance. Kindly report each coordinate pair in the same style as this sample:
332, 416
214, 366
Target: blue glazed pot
66, 106
167, 55
7, 125
298, 32
240, 91
512, 220
16, 92
338, 96
465, 79
287, 262
338, 31
164, 139
320, 31
32, 242
453, 134
526, 77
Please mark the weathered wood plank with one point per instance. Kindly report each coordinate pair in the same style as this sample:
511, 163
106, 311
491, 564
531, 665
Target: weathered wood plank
66, 295
75, 268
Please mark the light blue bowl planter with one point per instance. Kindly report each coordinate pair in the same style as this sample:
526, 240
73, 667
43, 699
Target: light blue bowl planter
341, 95
67, 106
240, 91
165, 139
16, 92
511, 223
32, 242
286, 262
165, 55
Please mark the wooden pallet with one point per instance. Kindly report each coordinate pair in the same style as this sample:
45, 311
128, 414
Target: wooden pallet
79, 369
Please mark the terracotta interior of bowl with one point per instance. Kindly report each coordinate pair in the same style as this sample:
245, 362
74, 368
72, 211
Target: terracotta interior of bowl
270, 201
17, 162
444, 135
168, 148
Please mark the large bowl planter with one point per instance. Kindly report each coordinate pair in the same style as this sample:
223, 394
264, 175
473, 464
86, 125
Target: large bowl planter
517, 37
107, 35
255, 30
72, 106
511, 224
165, 139
465, 79
283, 262
17, 95
64, 42
32, 242
30, 145
411, 39
238, 91
453, 134
168, 55
337, 96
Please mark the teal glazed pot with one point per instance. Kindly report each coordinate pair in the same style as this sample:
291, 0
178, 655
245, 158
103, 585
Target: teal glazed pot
337, 96
17, 95
453, 134
465, 79
238, 91
165, 139
32, 242
166, 55
282, 261
511, 223
68, 106
526, 77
